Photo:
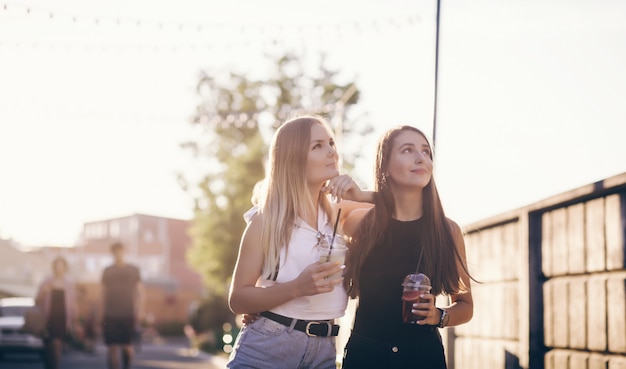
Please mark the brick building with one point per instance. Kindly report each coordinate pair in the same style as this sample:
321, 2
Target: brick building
158, 246
20, 272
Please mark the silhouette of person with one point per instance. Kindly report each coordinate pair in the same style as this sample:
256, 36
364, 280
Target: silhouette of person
57, 298
122, 298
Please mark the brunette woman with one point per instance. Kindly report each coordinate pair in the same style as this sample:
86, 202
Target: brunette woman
405, 232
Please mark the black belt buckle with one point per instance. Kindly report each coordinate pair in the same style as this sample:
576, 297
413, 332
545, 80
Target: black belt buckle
307, 330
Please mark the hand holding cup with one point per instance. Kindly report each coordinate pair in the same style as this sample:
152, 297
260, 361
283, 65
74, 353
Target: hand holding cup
333, 253
414, 286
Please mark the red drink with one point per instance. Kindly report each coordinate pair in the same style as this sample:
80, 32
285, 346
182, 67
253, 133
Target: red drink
408, 299
414, 285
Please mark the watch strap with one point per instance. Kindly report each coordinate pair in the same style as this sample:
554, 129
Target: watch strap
442, 318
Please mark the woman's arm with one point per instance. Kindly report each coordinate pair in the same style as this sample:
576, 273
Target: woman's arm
462, 308
354, 216
42, 292
350, 199
246, 297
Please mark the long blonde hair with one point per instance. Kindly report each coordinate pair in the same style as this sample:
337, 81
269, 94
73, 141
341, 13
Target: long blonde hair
284, 195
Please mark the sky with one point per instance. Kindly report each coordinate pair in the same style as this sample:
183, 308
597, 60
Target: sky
96, 97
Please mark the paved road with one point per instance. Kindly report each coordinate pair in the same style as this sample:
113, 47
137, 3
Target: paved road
171, 353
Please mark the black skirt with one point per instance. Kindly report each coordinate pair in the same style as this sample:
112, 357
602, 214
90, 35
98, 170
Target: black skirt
365, 352
57, 320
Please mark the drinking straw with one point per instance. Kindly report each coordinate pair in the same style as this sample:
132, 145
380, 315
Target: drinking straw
332, 240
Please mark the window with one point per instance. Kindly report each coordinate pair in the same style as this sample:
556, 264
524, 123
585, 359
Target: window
114, 229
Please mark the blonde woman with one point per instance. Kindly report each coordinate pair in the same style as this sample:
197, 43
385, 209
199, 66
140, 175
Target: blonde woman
277, 274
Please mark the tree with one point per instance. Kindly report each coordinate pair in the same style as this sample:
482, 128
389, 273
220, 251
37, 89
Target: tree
235, 114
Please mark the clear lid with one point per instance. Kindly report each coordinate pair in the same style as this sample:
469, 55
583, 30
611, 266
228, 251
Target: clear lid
413, 279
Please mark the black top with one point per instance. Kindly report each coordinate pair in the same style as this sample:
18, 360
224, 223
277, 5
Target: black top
120, 288
379, 314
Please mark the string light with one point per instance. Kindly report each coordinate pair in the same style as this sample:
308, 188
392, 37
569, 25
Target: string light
242, 35
358, 25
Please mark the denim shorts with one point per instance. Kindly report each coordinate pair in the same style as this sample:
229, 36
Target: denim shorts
268, 344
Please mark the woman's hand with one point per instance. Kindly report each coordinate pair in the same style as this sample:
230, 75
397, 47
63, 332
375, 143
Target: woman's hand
249, 318
313, 281
425, 307
344, 187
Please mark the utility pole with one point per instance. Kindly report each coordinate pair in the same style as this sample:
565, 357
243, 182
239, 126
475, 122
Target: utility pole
436, 73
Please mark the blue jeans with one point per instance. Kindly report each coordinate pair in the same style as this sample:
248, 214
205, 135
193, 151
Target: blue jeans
268, 344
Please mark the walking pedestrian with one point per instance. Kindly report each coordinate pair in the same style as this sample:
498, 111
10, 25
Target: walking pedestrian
123, 300
57, 298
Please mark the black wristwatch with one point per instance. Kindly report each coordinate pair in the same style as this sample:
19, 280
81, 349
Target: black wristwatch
443, 320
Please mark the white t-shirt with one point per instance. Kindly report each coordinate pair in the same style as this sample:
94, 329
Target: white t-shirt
302, 253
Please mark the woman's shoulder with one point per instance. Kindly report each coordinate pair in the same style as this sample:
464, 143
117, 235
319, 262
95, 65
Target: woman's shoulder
455, 230
254, 220
250, 213
454, 226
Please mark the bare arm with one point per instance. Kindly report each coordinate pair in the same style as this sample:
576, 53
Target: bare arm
353, 218
140, 301
461, 309
351, 199
246, 297
41, 293
103, 299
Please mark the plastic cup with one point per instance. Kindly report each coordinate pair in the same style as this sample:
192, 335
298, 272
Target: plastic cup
336, 253
413, 286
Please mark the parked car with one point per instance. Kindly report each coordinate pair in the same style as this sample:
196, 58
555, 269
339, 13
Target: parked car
12, 339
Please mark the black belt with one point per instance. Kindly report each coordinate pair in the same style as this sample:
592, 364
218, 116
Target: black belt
313, 328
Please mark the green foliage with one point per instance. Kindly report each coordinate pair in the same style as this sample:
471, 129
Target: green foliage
208, 321
211, 314
170, 328
235, 114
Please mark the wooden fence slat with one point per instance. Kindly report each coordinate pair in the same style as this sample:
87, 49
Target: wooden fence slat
511, 254
614, 233
617, 362
495, 247
559, 242
472, 252
561, 359
616, 307
577, 313
594, 235
596, 318
548, 360
510, 328
578, 360
560, 312
598, 361
576, 238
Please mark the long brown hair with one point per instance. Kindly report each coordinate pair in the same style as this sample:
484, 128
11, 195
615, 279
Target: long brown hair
440, 255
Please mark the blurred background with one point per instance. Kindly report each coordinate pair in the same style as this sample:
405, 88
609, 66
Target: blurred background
148, 122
